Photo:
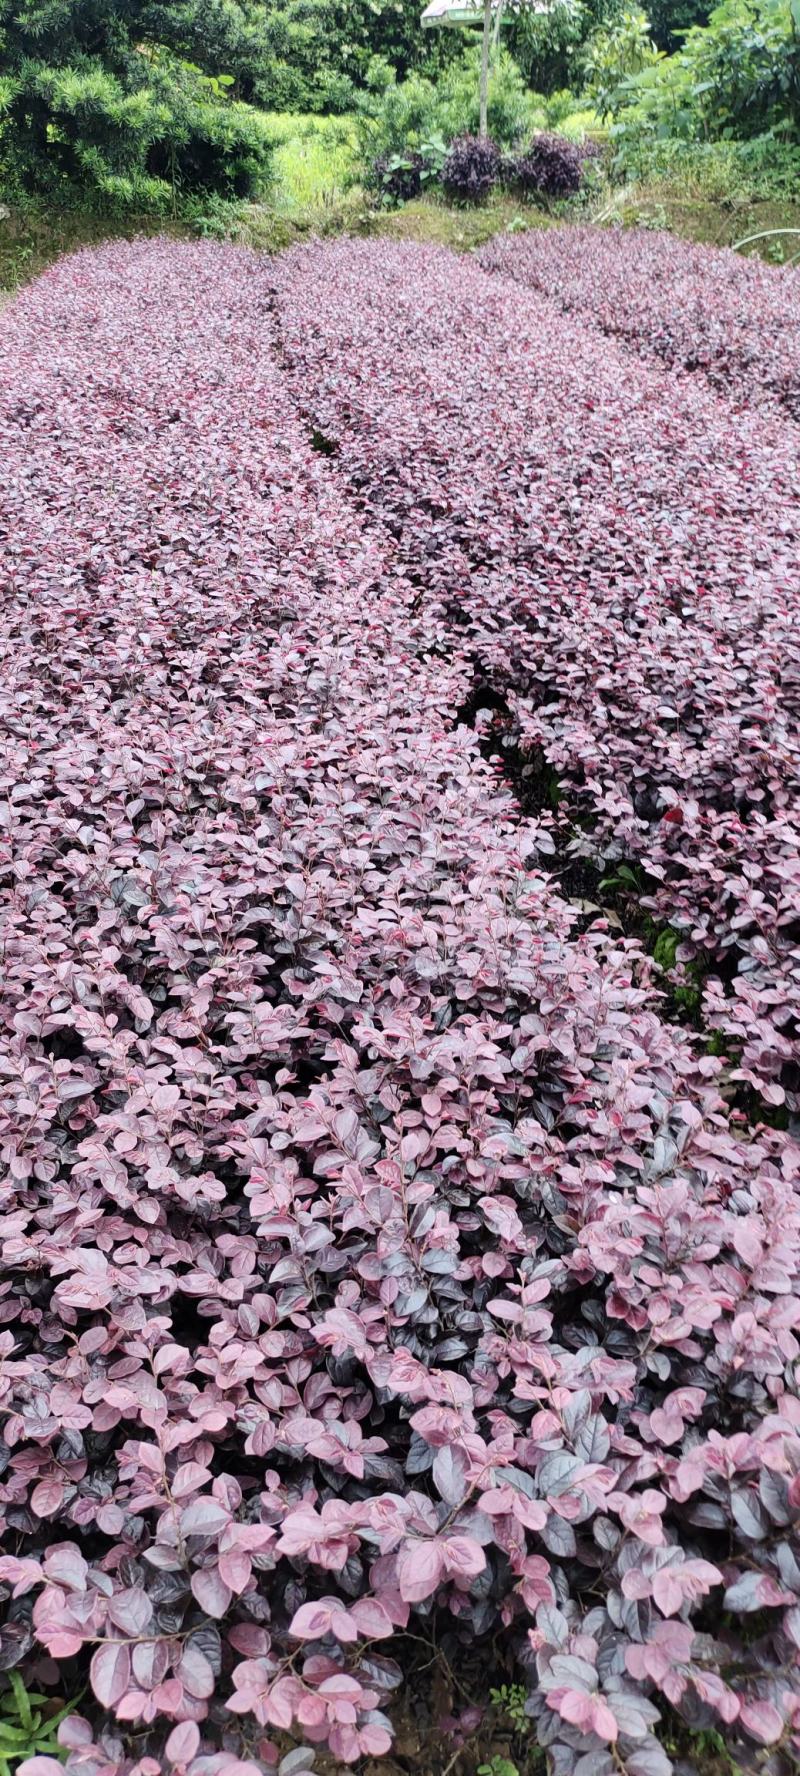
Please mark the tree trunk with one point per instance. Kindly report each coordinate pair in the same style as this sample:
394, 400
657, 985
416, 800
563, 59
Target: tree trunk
484, 95
497, 23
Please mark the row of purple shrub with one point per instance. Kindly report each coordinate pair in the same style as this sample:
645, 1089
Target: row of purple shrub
550, 167
377, 1261
621, 558
735, 321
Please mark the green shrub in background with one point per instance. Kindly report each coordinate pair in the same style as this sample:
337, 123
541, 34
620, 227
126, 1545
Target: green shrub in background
550, 45
547, 45
318, 52
736, 79
767, 168
616, 52
96, 108
398, 116
671, 19
745, 68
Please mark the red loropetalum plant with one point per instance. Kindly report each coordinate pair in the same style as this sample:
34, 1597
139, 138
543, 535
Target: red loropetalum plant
375, 1256
618, 553
471, 168
551, 166
736, 321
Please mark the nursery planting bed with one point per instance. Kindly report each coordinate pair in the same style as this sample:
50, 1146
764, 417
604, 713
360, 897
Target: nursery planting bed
735, 321
377, 1259
620, 557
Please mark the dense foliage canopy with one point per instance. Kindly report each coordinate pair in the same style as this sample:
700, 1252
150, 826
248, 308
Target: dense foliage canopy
737, 78
143, 103
99, 101
376, 1253
151, 103
321, 53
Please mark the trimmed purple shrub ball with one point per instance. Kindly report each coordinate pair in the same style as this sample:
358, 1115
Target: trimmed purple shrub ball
471, 169
551, 167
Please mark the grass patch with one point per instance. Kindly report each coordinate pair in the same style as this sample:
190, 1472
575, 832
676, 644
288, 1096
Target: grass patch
32, 238
431, 219
716, 221
314, 160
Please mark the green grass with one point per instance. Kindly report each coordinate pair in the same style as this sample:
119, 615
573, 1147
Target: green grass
718, 192
314, 160
282, 126
431, 219
659, 203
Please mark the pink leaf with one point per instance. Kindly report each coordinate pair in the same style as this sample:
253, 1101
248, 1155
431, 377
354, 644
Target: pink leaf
204, 1516
194, 1672
110, 1672
183, 1743
211, 1591
419, 1570
463, 1557
762, 1720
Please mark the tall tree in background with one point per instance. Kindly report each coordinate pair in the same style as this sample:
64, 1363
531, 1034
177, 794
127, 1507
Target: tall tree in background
486, 43
319, 52
127, 101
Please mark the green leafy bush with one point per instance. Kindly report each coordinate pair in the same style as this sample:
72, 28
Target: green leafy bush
403, 115
616, 52
738, 78
96, 108
547, 44
316, 54
765, 168
745, 68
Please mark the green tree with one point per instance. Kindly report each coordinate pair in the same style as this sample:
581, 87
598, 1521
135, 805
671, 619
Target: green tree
734, 80
547, 43
126, 101
671, 19
616, 52
323, 49
745, 68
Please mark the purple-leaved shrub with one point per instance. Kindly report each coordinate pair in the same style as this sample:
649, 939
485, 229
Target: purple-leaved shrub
736, 321
551, 166
373, 1250
471, 168
619, 554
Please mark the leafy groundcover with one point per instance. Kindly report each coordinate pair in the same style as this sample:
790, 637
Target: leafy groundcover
734, 320
378, 1257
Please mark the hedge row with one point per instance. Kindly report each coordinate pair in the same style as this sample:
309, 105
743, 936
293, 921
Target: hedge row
374, 1256
621, 560
550, 166
734, 320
